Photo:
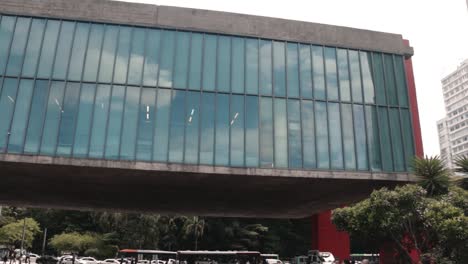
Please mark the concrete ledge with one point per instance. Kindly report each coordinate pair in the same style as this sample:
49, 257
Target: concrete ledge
209, 21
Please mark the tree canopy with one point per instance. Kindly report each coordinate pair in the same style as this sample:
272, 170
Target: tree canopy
11, 233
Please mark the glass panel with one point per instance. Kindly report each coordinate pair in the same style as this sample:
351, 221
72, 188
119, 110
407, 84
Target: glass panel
407, 137
308, 134
7, 27
161, 130
293, 71
355, 76
373, 141
279, 67
152, 50
135, 70
68, 119
176, 140
222, 130
390, 80
251, 131
319, 79
122, 56
266, 132
52, 119
7, 105
109, 47
265, 67
330, 68
36, 118
196, 50
146, 117
192, 120
181, 61
251, 66
20, 37
167, 59
224, 64
114, 124
83, 125
238, 59
401, 81
397, 143
32, 50
360, 129
101, 112
367, 81
323, 159
93, 52
348, 137
343, 73
207, 129
281, 133
64, 45
379, 82
130, 122
294, 133
209, 63
78, 51
20, 116
385, 142
306, 71
336, 148
237, 130
48, 49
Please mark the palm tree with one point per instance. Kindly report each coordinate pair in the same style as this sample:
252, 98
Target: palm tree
462, 167
433, 175
194, 226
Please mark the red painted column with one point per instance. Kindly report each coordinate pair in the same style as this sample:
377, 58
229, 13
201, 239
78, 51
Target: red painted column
325, 236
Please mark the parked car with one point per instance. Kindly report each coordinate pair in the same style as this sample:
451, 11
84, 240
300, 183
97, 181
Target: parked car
109, 261
89, 260
69, 260
327, 257
33, 257
47, 260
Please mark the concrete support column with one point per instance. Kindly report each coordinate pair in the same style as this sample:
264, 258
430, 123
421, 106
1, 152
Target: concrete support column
325, 236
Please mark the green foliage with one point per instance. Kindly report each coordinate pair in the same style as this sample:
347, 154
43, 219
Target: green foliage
11, 233
195, 227
434, 176
462, 167
74, 242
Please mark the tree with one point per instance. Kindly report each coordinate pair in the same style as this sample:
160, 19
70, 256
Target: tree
11, 234
462, 167
74, 242
434, 177
194, 226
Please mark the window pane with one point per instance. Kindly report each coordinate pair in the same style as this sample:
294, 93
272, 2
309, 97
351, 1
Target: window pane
224, 64
32, 50
109, 47
68, 119
397, 143
266, 132
306, 71
52, 121
130, 122
122, 55
209, 63
181, 61
401, 81
161, 130
319, 79
78, 51
192, 120
343, 73
93, 52
20, 116
355, 76
323, 159
348, 137
379, 78
18, 45
63, 49
367, 81
114, 124
152, 54
336, 148
373, 140
251, 66
279, 67
36, 118
48, 49
83, 125
332, 79
7, 105
237, 130
222, 130
135, 69
176, 140
265, 67
207, 129
7, 27
238, 59
407, 137
196, 50
251, 131
294, 133
387, 160
360, 128
293, 72
101, 112
146, 117
308, 134
390, 80
167, 59
281, 134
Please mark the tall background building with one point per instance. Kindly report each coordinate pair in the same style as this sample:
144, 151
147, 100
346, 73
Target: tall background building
453, 129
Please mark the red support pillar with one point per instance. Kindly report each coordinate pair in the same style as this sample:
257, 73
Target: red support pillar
325, 236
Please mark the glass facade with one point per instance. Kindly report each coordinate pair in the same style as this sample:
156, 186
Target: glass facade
91, 90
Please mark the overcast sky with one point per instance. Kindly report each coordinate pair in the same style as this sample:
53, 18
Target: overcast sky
437, 29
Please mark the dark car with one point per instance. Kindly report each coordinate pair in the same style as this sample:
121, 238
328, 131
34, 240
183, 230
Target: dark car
47, 260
